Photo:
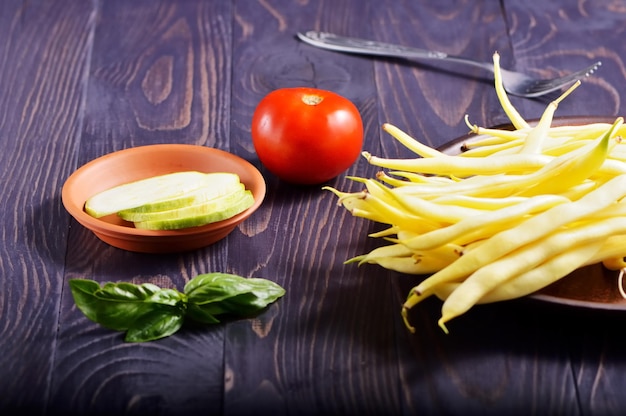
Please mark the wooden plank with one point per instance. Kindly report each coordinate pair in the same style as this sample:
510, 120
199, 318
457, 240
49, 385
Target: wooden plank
558, 38
416, 94
472, 370
327, 347
80, 79
553, 39
160, 73
44, 58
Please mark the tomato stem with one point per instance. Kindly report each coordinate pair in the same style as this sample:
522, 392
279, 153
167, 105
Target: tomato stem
312, 99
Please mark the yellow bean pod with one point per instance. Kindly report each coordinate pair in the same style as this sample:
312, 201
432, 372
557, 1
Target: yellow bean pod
515, 211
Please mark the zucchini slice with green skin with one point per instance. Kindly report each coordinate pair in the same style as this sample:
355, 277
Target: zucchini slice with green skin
223, 212
151, 190
218, 184
202, 208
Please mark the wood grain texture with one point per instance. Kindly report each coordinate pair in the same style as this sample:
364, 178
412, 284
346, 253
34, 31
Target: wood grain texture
416, 98
583, 31
81, 79
44, 56
339, 342
555, 39
155, 77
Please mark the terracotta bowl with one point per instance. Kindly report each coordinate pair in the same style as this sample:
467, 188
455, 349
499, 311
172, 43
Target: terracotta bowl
145, 161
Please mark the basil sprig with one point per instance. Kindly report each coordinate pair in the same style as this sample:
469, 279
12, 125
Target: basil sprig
147, 312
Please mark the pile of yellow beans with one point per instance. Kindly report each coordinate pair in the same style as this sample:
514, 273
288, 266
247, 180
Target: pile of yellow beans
513, 213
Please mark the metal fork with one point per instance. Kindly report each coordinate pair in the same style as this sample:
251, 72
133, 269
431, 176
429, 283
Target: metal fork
514, 83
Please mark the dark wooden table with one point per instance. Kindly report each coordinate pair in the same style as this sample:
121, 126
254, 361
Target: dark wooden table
79, 79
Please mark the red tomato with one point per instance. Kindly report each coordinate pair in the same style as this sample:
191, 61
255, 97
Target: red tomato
306, 135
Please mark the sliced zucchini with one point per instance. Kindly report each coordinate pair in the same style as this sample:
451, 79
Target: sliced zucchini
147, 191
223, 211
205, 207
218, 184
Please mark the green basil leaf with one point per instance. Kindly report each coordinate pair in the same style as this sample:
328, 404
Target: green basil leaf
171, 297
128, 291
220, 293
201, 314
118, 305
161, 322
215, 287
147, 312
265, 292
241, 305
209, 285
245, 303
83, 292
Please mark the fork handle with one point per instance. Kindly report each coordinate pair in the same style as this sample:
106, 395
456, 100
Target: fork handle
334, 42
